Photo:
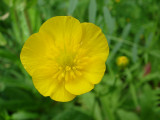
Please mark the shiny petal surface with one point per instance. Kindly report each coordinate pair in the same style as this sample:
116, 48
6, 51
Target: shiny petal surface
38, 51
94, 71
94, 41
61, 94
46, 82
65, 30
96, 48
79, 85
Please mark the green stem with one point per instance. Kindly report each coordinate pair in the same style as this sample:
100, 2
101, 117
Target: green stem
28, 21
101, 107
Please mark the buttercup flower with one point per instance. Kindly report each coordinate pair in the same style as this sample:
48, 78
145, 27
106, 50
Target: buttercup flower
65, 58
122, 61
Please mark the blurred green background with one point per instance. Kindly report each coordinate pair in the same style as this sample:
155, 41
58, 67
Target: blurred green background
132, 28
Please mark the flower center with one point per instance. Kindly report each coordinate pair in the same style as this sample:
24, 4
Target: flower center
68, 67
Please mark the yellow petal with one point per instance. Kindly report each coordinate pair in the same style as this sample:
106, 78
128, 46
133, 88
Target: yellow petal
94, 41
79, 85
38, 50
61, 94
94, 71
95, 48
46, 82
65, 30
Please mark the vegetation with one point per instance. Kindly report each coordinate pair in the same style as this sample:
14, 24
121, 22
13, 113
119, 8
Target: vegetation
128, 93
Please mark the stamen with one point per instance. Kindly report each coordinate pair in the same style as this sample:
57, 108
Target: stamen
60, 68
68, 68
78, 73
72, 74
67, 77
74, 68
61, 76
79, 67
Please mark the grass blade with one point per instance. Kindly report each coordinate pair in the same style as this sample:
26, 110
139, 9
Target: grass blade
110, 22
125, 33
72, 6
135, 46
3, 41
92, 11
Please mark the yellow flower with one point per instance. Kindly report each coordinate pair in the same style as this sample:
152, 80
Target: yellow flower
122, 61
65, 58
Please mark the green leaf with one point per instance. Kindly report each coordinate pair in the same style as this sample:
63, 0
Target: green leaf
92, 11
125, 115
149, 77
149, 40
88, 100
72, 114
35, 19
2, 86
6, 54
4, 115
72, 6
15, 26
3, 41
25, 25
97, 112
134, 96
106, 107
8, 2
135, 46
23, 115
147, 102
126, 31
31, 3
110, 22
155, 53
17, 83
117, 47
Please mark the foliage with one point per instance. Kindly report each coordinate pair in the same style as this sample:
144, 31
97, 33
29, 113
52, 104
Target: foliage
132, 30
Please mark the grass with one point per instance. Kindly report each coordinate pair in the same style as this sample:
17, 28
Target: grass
132, 30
